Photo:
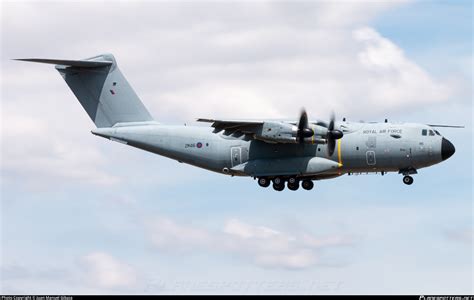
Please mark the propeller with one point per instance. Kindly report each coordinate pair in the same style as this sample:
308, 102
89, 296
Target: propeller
332, 135
303, 129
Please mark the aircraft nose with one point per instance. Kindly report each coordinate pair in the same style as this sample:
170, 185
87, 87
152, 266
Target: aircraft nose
447, 149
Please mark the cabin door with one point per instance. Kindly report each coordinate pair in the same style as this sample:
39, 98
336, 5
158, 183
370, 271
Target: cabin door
236, 156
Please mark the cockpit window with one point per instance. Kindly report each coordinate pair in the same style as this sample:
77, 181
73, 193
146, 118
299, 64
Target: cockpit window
424, 131
432, 132
437, 132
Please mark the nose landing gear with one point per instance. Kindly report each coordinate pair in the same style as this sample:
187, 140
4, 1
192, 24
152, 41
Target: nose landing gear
407, 179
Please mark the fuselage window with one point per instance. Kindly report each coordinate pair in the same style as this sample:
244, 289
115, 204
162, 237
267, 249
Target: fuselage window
432, 132
424, 131
437, 132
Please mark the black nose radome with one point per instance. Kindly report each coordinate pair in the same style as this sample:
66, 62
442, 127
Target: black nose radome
447, 149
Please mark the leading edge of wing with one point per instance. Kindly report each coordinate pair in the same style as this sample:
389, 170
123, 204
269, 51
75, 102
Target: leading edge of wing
234, 121
257, 122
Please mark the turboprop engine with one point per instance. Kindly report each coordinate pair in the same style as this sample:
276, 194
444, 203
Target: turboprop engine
303, 133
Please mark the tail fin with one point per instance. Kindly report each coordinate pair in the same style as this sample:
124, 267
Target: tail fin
101, 89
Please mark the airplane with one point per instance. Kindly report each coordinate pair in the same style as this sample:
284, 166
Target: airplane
280, 153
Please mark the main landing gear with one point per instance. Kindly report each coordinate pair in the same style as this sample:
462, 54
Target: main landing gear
278, 184
292, 183
264, 181
307, 184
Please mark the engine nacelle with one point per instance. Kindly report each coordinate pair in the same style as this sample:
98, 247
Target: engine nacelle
286, 133
277, 132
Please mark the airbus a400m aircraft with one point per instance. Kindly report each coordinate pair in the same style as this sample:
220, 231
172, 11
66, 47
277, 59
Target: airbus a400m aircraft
274, 152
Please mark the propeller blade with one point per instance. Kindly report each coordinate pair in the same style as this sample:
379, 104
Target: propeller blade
303, 129
303, 123
331, 122
332, 135
331, 146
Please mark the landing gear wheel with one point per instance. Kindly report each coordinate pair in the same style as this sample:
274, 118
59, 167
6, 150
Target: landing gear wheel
263, 182
407, 179
292, 180
293, 186
307, 184
277, 181
279, 187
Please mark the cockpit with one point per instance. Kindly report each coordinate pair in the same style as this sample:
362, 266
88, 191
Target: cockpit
447, 148
429, 132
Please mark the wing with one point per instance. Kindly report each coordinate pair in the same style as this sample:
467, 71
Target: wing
269, 131
235, 127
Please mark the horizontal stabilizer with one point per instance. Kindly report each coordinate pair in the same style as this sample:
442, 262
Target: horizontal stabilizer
72, 63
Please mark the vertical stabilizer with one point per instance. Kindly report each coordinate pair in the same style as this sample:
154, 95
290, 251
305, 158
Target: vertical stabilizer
101, 89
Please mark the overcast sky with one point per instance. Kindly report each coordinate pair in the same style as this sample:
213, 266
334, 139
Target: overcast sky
80, 214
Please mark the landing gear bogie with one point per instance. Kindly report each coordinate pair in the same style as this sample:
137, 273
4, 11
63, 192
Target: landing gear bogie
279, 183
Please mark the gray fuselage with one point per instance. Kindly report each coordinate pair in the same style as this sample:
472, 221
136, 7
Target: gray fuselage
365, 147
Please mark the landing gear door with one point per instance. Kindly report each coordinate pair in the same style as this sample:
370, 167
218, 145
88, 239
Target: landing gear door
235, 156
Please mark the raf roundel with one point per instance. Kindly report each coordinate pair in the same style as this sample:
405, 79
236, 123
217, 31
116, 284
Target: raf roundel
199, 145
